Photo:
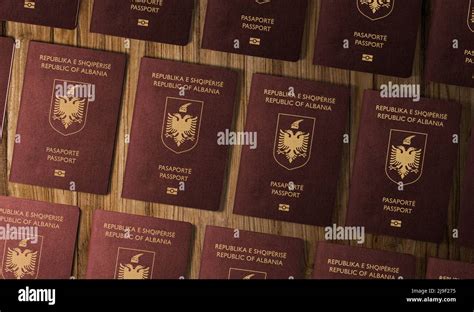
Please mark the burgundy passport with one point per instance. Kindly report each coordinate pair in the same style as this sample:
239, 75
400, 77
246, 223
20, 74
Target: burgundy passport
403, 169
52, 13
68, 118
370, 36
242, 255
291, 173
272, 29
124, 246
158, 20
174, 157
38, 239
6, 59
347, 262
446, 61
466, 213
448, 270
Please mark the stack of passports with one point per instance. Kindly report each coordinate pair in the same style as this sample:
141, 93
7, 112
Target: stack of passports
70, 106
68, 118
159, 21
369, 36
174, 157
6, 59
450, 53
47, 253
124, 246
403, 169
242, 255
52, 13
347, 262
292, 174
256, 27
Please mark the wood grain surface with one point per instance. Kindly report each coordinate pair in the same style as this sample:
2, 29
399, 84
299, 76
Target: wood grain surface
246, 66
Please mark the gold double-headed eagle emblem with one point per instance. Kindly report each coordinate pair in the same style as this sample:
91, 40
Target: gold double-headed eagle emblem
133, 270
375, 9
293, 140
405, 156
181, 124
134, 264
293, 143
21, 259
68, 111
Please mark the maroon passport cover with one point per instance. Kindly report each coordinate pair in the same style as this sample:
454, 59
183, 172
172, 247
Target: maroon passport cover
272, 29
46, 248
6, 59
448, 270
370, 36
160, 21
125, 246
52, 13
466, 213
403, 169
292, 174
243, 255
347, 262
451, 20
174, 157
68, 118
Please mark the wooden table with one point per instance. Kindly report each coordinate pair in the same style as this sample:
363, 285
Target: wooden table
246, 66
